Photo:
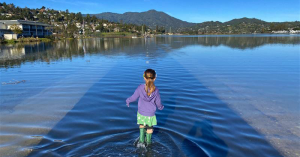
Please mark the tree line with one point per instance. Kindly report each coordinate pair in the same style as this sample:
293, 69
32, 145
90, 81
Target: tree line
67, 24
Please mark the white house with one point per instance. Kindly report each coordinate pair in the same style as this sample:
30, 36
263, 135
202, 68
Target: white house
29, 28
3, 30
78, 25
294, 31
280, 32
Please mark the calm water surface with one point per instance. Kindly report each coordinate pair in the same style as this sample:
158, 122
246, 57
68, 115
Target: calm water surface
223, 96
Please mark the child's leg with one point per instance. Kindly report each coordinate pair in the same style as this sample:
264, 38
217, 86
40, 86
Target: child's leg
142, 133
149, 134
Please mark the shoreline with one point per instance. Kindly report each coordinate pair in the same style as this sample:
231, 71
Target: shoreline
25, 40
122, 35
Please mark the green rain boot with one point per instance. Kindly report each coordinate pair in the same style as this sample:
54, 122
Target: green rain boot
142, 135
148, 140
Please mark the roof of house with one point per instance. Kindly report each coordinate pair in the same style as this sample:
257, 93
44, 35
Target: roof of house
11, 22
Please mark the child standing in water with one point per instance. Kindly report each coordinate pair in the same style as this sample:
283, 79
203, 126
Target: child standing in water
149, 99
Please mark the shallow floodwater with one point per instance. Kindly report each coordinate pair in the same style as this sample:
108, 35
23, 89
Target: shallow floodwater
223, 96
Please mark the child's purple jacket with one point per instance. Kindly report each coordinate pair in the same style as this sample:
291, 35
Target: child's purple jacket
147, 104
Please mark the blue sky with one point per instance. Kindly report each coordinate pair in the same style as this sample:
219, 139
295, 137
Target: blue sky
187, 10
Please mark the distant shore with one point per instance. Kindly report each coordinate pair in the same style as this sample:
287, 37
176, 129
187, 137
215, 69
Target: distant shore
118, 35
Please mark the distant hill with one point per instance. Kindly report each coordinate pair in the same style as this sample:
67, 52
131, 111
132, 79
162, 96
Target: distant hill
245, 20
240, 26
151, 18
232, 22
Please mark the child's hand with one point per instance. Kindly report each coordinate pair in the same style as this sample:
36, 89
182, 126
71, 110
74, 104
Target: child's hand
127, 105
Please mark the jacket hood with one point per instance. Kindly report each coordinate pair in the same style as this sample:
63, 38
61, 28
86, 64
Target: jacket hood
144, 95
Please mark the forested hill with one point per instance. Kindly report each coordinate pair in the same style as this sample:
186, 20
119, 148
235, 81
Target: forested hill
241, 26
156, 19
151, 18
245, 20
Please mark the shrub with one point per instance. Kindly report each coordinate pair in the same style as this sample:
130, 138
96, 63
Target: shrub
11, 41
45, 39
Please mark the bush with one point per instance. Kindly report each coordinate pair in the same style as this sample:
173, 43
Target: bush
11, 41
45, 39
27, 39
51, 37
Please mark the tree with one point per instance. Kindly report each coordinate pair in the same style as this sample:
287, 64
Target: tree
79, 17
88, 18
72, 30
72, 17
58, 18
143, 29
41, 17
272, 26
4, 4
16, 29
100, 27
94, 19
162, 30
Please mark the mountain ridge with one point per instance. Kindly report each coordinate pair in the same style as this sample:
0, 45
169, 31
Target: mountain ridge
154, 19
151, 18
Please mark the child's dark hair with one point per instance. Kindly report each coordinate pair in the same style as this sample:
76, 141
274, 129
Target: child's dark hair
152, 73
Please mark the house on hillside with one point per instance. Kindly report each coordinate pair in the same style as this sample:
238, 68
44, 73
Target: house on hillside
7, 14
295, 31
78, 25
116, 29
280, 32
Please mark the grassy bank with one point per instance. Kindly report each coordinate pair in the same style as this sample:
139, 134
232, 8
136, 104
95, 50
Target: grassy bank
12, 41
114, 34
50, 39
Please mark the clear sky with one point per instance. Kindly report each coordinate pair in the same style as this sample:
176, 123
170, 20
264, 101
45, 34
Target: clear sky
187, 10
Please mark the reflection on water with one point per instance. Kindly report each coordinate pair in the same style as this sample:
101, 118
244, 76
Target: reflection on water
223, 96
14, 55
